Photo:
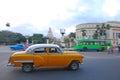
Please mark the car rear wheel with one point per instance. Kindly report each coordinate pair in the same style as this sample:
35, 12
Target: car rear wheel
27, 67
74, 65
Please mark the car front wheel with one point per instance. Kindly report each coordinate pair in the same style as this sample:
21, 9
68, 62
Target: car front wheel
74, 65
27, 67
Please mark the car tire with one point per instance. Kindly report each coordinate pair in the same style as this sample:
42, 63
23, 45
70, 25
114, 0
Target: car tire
27, 67
74, 66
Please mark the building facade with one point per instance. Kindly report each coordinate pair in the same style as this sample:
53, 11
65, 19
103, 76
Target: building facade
113, 33
50, 34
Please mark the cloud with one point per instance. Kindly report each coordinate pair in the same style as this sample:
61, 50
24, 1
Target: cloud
36, 16
39, 13
36, 11
26, 29
111, 7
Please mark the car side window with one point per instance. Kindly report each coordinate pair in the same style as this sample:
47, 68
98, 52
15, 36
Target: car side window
54, 50
39, 50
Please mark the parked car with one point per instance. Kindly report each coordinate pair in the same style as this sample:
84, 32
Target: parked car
17, 47
45, 55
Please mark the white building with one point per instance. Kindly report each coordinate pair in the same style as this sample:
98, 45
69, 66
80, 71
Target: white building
113, 33
50, 34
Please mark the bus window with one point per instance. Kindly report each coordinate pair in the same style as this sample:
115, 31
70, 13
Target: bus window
102, 43
79, 43
108, 44
91, 43
83, 43
96, 43
86, 43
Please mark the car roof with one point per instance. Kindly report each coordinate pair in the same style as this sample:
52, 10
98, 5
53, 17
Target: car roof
45, 45
42, 45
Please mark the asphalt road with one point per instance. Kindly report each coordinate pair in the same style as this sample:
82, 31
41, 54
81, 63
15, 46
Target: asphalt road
96, 66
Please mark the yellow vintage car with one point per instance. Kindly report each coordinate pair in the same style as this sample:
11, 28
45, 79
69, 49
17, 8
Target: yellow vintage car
45, 55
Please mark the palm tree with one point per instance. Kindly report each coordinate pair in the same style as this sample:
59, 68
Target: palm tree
95, 35
101, 31
97, 32
107, 28
83, 33
72, 38
72, 35
67, 41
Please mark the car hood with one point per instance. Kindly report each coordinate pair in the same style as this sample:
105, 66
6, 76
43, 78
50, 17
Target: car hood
19, 53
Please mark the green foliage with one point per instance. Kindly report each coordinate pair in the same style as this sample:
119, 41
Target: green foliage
83, 33
101, 31
37, 38
95, 35
8, 37
20, 38
67, 40
72, 35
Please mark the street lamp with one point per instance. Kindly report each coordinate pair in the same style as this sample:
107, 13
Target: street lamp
27, 41
62, 31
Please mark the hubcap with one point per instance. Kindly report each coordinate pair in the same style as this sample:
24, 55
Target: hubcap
27, 68
74, 66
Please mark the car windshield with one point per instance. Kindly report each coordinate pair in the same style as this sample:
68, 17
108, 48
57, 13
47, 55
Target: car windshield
29, 49
61, 50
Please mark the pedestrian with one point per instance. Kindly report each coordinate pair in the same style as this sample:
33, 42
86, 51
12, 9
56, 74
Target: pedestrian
118, 47
112, 48
25, 46
108, 49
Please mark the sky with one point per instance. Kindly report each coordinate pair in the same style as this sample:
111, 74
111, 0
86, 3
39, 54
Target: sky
36, 16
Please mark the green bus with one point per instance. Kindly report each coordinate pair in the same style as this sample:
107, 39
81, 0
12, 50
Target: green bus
92, 44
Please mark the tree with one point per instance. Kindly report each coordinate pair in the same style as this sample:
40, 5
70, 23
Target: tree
67, 41
45, 39
95, 35
20, 38
8, 37
37, 38
72, 35
101, 31
51, 40
83, 33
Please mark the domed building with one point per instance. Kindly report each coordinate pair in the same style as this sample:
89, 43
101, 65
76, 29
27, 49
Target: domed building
51, 37
112, 33
50, 34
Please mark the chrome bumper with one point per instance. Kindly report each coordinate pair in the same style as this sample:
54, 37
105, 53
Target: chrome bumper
10, 65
